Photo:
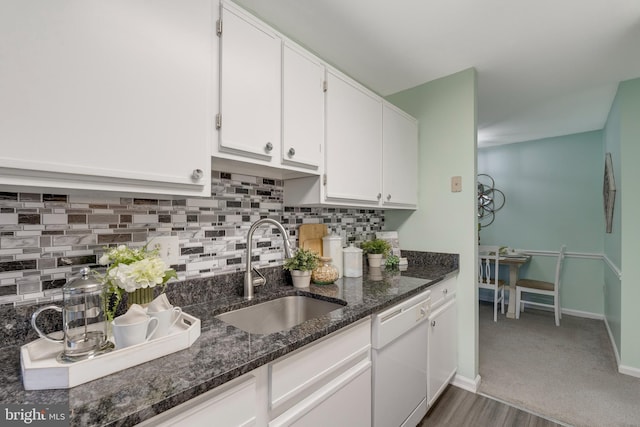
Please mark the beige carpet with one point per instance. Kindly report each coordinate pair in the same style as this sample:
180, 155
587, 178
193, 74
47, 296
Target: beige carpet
567, 373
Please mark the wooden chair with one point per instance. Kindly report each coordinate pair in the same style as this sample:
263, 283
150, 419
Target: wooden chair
488, 269
539, 287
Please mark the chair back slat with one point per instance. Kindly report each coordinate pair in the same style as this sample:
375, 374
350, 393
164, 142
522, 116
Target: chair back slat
488, 263
488, 269
561, 257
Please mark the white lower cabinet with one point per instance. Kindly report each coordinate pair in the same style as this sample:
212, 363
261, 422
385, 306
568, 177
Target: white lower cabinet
442, 356
327, 383
232, 404
345, 401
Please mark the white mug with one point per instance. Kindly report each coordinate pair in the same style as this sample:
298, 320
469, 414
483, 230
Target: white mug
166, 319
129, 334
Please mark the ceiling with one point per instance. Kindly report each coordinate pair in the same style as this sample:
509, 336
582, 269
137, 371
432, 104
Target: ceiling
545, 67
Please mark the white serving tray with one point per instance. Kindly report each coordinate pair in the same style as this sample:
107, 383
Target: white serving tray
41, 370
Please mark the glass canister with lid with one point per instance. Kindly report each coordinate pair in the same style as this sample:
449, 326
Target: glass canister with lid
326, 273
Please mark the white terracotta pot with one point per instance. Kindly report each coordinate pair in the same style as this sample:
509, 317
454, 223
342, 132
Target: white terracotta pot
375, 260
301, 279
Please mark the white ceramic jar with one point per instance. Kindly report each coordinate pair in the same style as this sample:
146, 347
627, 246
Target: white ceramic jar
332, 248
352, 261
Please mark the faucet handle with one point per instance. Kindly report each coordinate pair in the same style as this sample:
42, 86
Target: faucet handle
259, 281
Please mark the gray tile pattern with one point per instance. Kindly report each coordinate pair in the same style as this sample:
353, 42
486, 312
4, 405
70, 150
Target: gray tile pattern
46, 238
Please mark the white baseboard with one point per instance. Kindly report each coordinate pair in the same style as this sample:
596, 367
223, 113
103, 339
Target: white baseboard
567, 311
613, 343
623, 369
585, 314
465, 383
629, 370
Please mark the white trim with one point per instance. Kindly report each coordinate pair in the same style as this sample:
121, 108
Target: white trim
613, 342
623, 369
465, 383
612, 266
585, 314
567, 311
629, 370
587, 255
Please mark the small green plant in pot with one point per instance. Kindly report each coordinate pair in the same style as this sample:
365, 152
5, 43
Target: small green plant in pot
376, 249
300, 265
392, 262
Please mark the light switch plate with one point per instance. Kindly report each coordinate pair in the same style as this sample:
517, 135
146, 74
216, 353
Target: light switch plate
168, 247
456, 184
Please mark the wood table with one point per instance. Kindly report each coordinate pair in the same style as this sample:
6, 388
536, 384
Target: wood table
514, 264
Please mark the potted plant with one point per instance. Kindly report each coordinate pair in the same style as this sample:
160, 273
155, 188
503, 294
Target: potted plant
392, 262
300, 265
376, 249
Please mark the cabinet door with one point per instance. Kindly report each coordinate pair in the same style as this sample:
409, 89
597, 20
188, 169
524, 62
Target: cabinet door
303, 109
230, 405
353, 141
400, 158
94, 93
250, 83
345, 401
443, 358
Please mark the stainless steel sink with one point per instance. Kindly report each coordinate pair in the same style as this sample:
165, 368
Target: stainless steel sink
278, 314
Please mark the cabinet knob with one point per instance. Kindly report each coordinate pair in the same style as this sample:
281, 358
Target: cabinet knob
445, 291
292, 152
379, 196
268, 147
388, 196
433, 323
197, 174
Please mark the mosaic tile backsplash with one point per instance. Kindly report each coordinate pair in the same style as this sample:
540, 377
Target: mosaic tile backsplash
46, 238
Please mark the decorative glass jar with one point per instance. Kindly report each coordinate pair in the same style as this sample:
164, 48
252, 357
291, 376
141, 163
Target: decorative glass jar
325, 273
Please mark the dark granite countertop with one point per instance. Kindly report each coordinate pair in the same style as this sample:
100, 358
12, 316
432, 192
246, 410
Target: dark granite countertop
221, 353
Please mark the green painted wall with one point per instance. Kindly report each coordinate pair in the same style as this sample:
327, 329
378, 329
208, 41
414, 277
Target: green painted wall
446, 221
553, 191
629, 187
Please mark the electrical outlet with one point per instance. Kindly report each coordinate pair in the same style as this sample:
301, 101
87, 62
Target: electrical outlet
168, 246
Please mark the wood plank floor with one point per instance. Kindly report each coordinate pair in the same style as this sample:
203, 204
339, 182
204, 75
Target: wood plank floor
459, 408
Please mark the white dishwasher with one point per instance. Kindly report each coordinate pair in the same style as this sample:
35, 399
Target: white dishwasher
399, 341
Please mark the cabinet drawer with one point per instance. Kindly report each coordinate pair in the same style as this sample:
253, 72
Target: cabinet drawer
345, 401
443, 292
232, 404
298, 375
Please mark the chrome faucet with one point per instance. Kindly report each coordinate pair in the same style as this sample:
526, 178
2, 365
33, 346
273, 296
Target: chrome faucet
249, 281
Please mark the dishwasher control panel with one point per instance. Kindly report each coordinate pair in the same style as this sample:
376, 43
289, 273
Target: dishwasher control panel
395, 321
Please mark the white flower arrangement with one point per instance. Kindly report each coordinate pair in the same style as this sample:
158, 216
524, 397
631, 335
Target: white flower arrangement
130, 270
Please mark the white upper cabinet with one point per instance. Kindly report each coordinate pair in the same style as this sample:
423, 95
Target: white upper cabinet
400, 158
250, 87
112, 95
371, 153
271, 109
353, 142
286, 114
302, 108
